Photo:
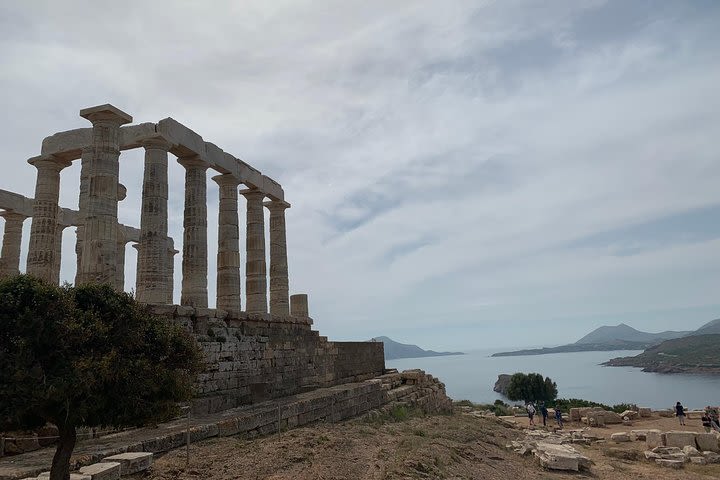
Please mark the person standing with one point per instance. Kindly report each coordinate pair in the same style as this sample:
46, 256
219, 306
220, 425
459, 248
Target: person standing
544, 413
680, 413
558, 416
531, 412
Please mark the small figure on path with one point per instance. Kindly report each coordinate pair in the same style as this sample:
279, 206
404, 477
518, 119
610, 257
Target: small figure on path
558, 416
544, 413
706, 420
531, 412
680, 413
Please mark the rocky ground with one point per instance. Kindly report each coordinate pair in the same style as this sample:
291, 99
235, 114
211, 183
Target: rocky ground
459, 446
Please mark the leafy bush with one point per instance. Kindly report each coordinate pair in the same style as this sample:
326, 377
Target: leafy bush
531, 387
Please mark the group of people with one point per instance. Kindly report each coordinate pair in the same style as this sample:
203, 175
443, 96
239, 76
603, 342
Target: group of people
531, 411
710, 418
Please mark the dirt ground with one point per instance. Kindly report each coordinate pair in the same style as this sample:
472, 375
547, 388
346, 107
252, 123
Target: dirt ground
455, 446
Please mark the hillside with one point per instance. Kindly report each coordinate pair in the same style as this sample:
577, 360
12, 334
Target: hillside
692, 354
395, 350
624, 333
709, 328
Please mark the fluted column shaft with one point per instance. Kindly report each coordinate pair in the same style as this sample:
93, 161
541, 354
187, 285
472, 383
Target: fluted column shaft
99, 247
57, 259
152, 254
228, 255
12, 240
43, 231
85, 159
194, 261
255, 268
120, 270
279, 284
170, 280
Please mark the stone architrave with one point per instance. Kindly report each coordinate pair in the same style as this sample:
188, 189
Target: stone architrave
12, 240
228, 255
152, 252
43, 231
279, 284
99, 218
255, 267
299, 305
195, 256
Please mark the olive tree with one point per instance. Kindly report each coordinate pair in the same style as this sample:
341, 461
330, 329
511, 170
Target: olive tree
87, 356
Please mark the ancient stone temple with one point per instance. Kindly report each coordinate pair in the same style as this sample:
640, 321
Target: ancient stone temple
259, 348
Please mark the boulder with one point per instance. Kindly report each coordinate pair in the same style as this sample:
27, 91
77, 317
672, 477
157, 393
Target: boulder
560, 457
644, 412
680, 439
651, 455
691, 451
654, 438
698, 460
629, 414
132, 462
638, 434
620, 437
712, 457
677, 464
707, 442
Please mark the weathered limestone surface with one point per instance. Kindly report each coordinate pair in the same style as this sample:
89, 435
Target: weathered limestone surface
708, 442
194, 258
152, 262
102, 470
43, 232
99, 257
299, 305
228, 255
255, 268
12, 240
679, 439
131, 462
279, 283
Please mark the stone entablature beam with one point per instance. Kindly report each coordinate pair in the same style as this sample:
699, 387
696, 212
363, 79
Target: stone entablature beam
195, 251
255, 267
279, 283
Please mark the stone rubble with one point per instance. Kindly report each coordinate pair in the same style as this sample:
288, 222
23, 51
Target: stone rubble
553, 449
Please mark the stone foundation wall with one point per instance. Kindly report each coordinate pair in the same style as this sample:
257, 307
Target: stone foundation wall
251, 357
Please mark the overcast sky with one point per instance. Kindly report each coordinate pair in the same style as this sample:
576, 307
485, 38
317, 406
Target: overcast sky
462, 174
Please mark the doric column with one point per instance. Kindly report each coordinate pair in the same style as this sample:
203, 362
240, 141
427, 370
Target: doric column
299, 305
279, 288
170, 279
87, 153
43, 231
152, 251
120, 269
194, 260
99, 246
57, 259
228, 255
255, 269
12, 239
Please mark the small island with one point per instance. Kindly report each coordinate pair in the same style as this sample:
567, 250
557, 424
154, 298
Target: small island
395, 350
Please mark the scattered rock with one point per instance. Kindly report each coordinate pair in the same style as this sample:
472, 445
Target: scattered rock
620, 437
132, 462
654, 438
638, 434
707, 442
680, 439
561, 457
677, 464
698, 460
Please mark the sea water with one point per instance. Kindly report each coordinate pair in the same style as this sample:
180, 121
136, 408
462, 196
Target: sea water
577, 374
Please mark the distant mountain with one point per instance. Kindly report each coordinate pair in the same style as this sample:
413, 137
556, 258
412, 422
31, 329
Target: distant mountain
394, 350
624, 333
617, 337
691, 354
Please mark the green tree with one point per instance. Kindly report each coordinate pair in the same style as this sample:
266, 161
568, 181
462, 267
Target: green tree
531, 387
87, 356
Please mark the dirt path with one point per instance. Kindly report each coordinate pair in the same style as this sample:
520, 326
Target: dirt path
437, 447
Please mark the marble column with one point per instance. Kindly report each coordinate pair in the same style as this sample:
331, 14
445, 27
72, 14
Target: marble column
255, 268
299, 305
279, 288
170, 279
228, 255
43, 230
152, 252
100, 216
85, 157
194, 260
57, 259
12, 240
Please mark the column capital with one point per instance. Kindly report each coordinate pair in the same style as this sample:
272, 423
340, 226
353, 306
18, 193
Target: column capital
253, 194
10, 215
276, 205
156, 142
106, 114
193, 161
226, 180
50, 162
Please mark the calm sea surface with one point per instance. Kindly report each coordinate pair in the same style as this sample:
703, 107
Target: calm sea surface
578, 375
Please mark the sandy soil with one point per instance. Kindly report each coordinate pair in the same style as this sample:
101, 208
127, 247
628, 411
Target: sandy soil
442, 446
